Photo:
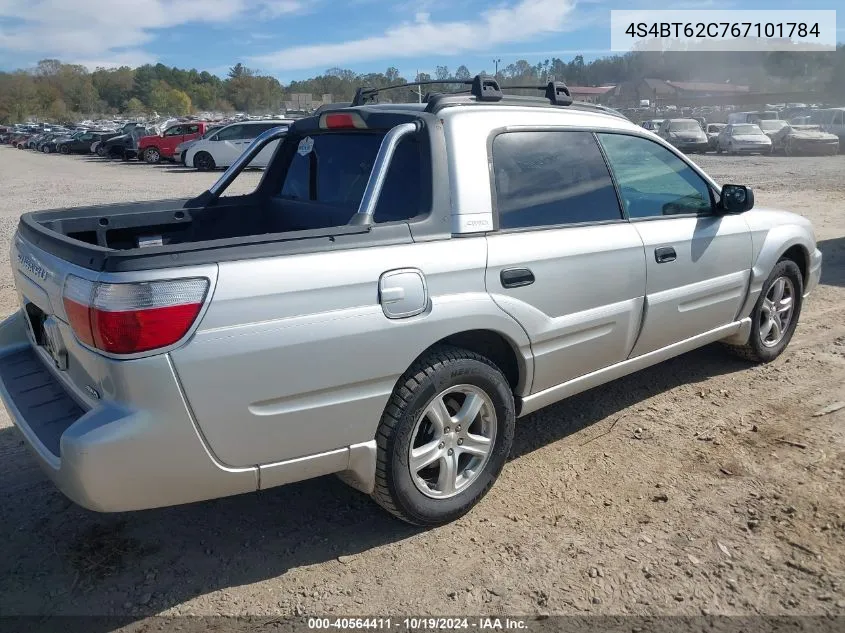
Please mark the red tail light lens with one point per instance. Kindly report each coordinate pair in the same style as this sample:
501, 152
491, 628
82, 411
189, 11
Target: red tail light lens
134, 317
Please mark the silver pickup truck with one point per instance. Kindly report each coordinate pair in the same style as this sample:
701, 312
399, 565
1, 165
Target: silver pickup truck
405, 282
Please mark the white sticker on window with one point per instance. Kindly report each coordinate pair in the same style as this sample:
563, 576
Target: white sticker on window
305, 146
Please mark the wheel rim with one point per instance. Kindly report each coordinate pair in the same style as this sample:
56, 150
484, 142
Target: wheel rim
152, 156
776, 313
452, 441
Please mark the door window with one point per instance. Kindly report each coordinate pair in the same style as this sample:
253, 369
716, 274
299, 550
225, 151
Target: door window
652, 180
551, 178
191, 129
176, 130
231, 133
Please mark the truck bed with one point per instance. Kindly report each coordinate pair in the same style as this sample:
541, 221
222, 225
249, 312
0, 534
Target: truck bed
180, 232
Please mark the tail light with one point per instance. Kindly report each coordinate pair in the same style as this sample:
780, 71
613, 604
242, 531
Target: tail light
342, 121
128, 318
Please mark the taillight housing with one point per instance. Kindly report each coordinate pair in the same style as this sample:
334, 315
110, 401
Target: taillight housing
129, 318
342, 121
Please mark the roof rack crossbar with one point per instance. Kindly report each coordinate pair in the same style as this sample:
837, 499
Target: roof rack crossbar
483, 88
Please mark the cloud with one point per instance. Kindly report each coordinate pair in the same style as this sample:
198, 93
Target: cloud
75, 30
516, 22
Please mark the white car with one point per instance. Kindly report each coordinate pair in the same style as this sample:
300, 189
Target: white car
743, 137
222, 148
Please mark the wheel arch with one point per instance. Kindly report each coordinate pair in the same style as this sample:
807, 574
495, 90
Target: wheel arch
496, 346
799, 254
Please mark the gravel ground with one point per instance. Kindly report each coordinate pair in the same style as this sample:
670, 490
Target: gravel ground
702, 485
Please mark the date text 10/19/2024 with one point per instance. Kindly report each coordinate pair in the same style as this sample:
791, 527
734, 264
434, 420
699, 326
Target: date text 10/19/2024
421, 623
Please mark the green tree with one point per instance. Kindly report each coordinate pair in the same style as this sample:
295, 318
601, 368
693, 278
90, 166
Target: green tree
134, 107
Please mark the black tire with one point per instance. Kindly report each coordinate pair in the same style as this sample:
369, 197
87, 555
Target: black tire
204, 161
443, 367
755, 350
152, 155
101, 151
45, 149
64, 149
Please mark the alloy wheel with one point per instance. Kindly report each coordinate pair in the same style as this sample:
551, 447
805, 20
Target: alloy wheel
776, 311
452, 441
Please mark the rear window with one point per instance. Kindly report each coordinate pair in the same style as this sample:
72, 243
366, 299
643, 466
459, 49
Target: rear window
333, 169
684, 125
746, 129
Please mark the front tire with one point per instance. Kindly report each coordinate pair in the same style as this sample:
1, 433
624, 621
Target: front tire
775, 314
101, 151
444, 437
152, 155
203, 161
64, 149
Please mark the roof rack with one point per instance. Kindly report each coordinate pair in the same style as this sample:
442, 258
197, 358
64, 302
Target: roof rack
486, 89
482, 87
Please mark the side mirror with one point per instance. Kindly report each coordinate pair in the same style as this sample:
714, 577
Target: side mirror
736, 199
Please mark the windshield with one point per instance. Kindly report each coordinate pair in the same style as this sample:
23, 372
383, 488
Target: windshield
686, 126
333, 168
753, 130
771, 126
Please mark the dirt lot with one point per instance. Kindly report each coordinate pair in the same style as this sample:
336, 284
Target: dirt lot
702, 485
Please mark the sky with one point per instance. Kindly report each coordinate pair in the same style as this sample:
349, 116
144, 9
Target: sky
297, 39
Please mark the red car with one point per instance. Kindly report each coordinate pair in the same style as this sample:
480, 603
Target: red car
154, 148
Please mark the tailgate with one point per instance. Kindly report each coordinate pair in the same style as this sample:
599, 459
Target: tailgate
39, 280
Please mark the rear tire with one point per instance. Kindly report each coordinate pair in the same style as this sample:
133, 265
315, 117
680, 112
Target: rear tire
64, 149
204, 161
456, 409
775, 315
45, 149
101, 151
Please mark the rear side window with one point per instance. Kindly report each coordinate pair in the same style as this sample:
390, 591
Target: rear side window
333, 169
231, 133
551, 178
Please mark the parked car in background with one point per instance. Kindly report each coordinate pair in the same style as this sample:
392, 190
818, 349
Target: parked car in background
223, 147
181, 149
114, 147
154, 148
805, 140
47, 144
685, 134
125, 145
771, 127
652, 124
832, 121
712, 131
19, 141
81, 143
745, 138
752, 117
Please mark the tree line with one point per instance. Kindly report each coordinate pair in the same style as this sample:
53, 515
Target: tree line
65, 92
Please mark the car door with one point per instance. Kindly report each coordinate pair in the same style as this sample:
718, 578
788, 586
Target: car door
564, 262
227, 147
172, 137
698, 262
263, 157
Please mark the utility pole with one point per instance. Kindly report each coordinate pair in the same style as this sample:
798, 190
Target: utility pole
496, 61
419, 88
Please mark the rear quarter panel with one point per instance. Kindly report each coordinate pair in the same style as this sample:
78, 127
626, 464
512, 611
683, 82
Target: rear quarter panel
296, 357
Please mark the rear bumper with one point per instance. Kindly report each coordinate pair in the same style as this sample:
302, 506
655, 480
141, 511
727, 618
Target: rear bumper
106, 454
814, 272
